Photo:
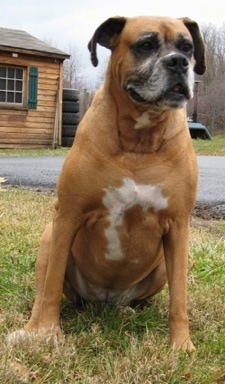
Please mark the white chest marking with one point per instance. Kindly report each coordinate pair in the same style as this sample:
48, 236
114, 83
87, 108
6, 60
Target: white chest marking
119, 200
142, 121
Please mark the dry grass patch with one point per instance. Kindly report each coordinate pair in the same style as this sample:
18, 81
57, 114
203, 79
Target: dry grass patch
107, 344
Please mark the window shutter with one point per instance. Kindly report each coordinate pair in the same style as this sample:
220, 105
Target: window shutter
32, 92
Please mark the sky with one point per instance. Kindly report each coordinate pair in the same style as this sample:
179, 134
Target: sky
71, 23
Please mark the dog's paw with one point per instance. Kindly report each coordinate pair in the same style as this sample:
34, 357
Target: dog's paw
27, 337
186, 346
19, 337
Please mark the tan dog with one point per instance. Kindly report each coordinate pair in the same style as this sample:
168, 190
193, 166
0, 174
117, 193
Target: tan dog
128, 185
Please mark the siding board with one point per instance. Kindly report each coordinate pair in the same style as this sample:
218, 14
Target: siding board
26, 128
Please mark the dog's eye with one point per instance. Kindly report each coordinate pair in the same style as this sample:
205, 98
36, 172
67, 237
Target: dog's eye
187, 47
146, 46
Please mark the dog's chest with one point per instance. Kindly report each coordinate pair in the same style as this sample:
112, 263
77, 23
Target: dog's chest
118, 201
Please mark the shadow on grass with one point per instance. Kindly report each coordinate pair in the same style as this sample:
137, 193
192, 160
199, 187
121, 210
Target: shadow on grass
114, 322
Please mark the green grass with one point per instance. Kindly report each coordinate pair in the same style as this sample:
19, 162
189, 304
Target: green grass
107, 344
33, 152
214, 147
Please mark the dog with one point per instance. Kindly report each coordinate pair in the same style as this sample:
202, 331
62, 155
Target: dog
128, 184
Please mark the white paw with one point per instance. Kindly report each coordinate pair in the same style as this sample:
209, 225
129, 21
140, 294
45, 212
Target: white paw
23, 337
19, 337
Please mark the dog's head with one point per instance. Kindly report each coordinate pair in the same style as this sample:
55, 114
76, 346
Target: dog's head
153, 58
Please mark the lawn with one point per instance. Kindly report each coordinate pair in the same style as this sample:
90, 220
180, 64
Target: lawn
61, 151
214, 147
106, 344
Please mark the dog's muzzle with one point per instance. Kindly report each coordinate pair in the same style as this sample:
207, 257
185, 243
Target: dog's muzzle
169, 83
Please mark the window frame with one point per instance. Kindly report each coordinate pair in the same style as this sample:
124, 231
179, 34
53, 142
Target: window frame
15, 105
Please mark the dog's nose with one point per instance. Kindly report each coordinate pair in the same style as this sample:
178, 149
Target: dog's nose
177, 63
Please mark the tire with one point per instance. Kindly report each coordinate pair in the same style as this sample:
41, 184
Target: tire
70, 118
70, 106
67, 141
71, 94
69, 130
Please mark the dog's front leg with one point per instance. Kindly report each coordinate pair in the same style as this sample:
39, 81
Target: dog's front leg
46, 310
63, 233
176, 256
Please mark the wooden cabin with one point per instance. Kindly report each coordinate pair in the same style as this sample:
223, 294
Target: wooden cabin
31, 81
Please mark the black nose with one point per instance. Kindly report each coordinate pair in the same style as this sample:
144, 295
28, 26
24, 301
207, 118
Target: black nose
177, 63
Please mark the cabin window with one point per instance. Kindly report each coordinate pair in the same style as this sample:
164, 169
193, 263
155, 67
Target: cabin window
18, 87
12, 81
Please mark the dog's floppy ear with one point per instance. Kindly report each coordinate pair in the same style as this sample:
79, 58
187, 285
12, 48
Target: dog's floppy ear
199, 47
105, 35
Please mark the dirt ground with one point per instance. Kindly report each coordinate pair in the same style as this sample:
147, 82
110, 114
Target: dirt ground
209, 212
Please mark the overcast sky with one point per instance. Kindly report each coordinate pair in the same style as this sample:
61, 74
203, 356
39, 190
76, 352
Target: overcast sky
69, 22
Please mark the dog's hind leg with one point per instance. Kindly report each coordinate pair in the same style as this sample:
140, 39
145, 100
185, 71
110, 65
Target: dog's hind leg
153, 283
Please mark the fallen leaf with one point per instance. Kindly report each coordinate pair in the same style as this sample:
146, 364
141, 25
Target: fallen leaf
221, 379
186, 376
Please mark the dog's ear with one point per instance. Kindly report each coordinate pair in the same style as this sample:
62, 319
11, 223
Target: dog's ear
199, 47
106, 35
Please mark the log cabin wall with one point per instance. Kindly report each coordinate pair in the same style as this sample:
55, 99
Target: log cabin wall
35, 121
29, 128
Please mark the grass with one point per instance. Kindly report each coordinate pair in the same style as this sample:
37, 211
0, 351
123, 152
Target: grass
214, 147
33, 152
106, 344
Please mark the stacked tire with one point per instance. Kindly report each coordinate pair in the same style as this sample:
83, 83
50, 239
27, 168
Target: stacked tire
70, 115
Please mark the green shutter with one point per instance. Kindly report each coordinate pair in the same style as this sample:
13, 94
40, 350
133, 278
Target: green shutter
32, 92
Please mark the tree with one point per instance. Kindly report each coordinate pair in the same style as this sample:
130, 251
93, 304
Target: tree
72, 68
211, 96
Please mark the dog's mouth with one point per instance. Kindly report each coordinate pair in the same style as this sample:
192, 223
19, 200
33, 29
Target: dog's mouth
174, 95
178, 90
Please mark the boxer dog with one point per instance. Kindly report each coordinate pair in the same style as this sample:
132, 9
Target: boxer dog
128, 184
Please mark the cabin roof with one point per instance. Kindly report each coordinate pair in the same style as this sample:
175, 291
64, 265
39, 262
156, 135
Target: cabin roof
18, 40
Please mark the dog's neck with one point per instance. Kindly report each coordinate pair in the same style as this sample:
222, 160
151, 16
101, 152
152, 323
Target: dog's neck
140, 129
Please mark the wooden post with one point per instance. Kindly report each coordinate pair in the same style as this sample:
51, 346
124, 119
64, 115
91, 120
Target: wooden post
195, 108
56, 121
60, 95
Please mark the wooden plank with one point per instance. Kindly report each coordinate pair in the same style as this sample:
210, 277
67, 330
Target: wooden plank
28, 137
49, 116
46, 128
47, 91
25, 146
29, 118
42, 127
24, 61
42, 106
46, 84
43, 110
47, 77
43, 103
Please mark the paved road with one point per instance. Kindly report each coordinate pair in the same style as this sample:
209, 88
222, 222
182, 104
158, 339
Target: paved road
211, 185
42, 172
32, 172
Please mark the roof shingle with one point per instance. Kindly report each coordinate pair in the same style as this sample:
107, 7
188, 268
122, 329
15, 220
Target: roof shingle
17, 39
